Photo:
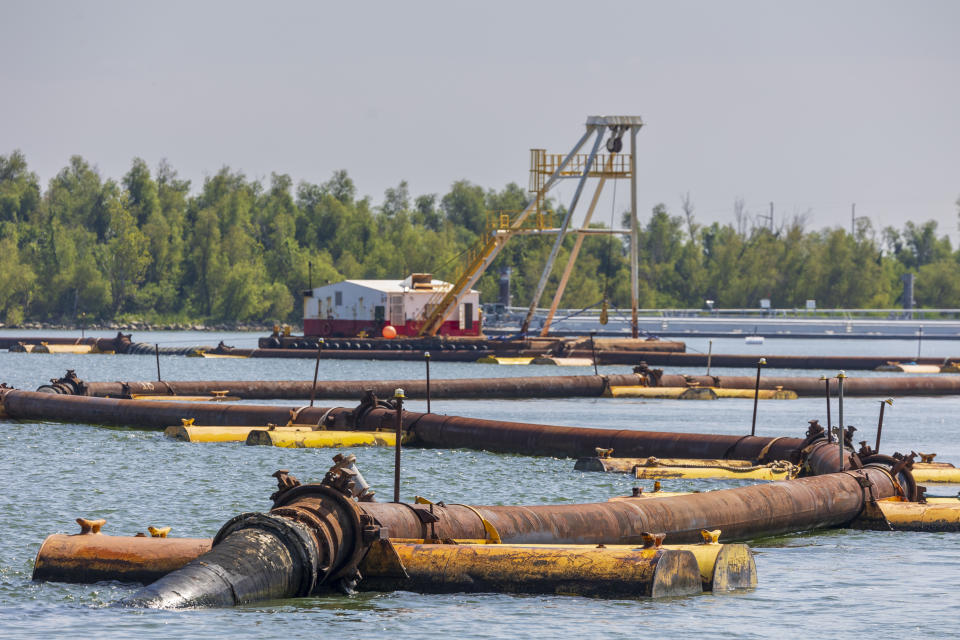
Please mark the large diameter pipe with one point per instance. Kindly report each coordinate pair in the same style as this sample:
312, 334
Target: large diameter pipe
660, 359
262, 558
514, 387
451, 432
519, 387
316, 535
429, 430
813, 387
88, 558
743, 513
311, 539
143, 413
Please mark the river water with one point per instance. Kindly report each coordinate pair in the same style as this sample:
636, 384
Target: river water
815, 584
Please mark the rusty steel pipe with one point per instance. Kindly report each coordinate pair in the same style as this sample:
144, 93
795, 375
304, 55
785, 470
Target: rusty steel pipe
515, 387
452, 432
429, 430
810, 386
316, 534
88, 558
668, 359
519, 387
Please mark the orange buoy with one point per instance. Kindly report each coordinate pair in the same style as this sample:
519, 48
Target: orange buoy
389, 332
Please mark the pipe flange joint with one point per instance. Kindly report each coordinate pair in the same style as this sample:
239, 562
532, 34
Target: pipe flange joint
294, 536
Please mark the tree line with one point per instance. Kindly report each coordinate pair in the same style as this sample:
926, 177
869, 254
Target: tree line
147, 247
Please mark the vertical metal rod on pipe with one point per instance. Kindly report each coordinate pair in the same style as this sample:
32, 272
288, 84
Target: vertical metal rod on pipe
398, 397
426, 357
919, 342
756, 396
709, 356
827, 392
634, 239
156, 350
593, 351
840, 377
883, 404
316, 371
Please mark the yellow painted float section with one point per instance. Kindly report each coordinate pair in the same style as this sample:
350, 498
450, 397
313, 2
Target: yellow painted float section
191, 433
697, 393
499, 360
772, 471
592, 570
914, 516
935, 472
43, 347
627, 465
322, 439
901, 367
723, 567
204, 354
216, 398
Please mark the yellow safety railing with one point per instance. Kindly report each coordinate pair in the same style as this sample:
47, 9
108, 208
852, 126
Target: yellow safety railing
543, 165
507, 220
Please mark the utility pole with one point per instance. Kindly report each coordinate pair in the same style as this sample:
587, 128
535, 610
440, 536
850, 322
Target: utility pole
853, 218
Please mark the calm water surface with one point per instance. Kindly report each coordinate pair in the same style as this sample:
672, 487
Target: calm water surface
836, 582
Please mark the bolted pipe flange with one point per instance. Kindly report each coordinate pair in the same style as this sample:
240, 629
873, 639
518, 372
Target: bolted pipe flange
899, 470
68, 385
346, 530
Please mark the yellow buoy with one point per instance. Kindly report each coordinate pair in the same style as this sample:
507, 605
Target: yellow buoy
504, 360
910, 516
322, 439
43, 347
780, 470
594, 570
192, 433
211, 398
935, 472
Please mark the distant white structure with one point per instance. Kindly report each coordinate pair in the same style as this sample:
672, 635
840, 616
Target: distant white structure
350, 307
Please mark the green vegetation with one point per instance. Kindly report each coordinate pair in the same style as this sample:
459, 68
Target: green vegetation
241, 251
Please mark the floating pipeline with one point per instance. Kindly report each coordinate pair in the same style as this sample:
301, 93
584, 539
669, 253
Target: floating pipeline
647, 382
427, 430
698, 393
531, 346
122, 344
10, 342
316, 535
815, 387
422, 429
519, 387
850, 363
604, 570
606, 351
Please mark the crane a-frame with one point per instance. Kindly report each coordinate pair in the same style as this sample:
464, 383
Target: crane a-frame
545, 171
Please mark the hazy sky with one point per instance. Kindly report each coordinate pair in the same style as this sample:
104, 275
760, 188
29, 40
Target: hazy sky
811, 105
